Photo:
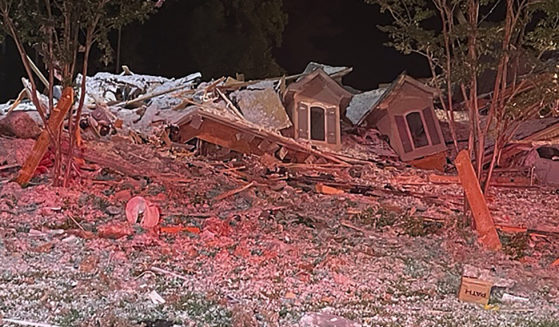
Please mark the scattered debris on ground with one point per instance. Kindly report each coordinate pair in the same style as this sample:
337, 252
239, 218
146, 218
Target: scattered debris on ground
237, 224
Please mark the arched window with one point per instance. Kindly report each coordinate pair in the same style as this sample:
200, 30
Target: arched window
417, 129
318, 126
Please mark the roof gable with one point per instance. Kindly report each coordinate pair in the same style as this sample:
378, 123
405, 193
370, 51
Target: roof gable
319, 85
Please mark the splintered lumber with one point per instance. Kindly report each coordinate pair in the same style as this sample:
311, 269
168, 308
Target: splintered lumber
8, 167
513, 182
18, 100
233, 192
433, 162
484, 222
37, 71
41, 145
325, 189
444, 179
150, 96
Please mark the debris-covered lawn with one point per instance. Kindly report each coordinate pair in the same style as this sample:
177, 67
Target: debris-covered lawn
274, 253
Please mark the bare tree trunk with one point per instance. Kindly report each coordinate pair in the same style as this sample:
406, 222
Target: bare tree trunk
118, 45
73, 128
28, 70
491, 167
447, 29
498, 101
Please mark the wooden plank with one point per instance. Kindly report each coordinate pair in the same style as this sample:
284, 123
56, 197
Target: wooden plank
325, 189
186, 133
310, 159
511, 229
480, 211
8, 167
264, 145
233, 192
282, 153
196, 122
41, 145
513, 182
434, 162
443, 179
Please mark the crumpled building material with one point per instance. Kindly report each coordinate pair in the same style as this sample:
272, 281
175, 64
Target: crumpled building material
263, 107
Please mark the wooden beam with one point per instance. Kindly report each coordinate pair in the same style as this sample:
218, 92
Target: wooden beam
42, 144
187, 133
233, 192
484, 222
325, 189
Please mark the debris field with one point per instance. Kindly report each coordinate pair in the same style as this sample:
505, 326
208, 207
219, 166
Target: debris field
167, 222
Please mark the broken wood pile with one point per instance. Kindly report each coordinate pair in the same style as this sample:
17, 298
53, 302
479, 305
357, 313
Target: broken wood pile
298, 224
228, 227
174, 113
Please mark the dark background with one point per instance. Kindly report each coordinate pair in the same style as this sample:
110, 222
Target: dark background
186, 36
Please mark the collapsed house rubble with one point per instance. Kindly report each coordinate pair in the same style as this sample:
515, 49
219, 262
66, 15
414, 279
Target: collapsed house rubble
404, 111
284, 229
297, 118
544, 161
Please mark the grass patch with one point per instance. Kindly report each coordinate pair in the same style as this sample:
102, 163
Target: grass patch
411, 225
415, 226
515, 245
206, 311
377, 218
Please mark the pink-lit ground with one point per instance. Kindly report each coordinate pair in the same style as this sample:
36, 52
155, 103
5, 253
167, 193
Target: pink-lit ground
266, 256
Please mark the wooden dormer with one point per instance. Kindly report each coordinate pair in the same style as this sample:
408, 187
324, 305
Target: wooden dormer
315, 104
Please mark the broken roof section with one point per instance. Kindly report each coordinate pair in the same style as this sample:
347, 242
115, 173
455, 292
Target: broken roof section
319, 86
529, 133
330, 70
367, 102
263, 107
117, 89
363, 102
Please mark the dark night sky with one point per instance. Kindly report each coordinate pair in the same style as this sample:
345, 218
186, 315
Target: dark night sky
343, 33
336, 32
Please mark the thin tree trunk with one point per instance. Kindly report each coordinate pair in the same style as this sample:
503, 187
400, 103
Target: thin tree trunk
491, 167
73, 128
28, 70
118, 44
